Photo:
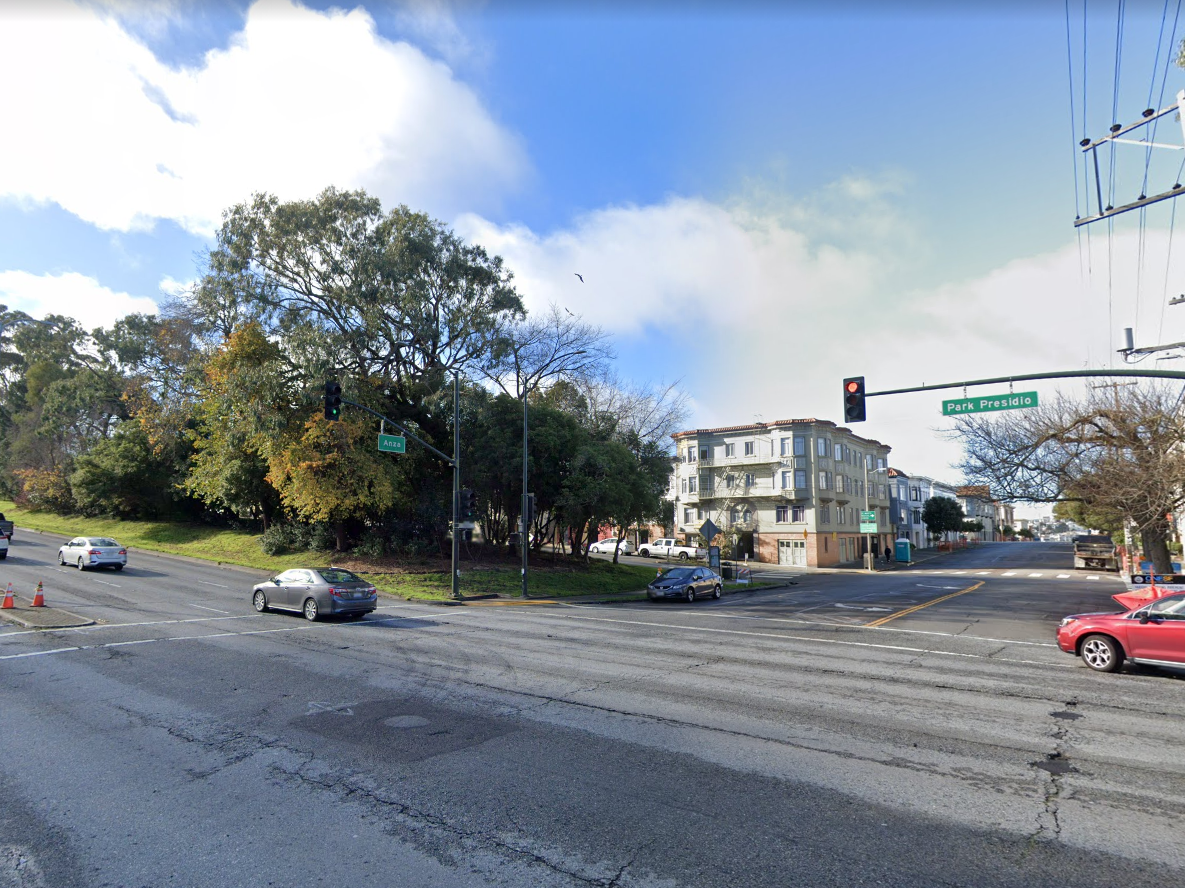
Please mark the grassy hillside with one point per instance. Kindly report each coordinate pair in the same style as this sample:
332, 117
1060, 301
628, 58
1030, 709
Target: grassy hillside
549, 576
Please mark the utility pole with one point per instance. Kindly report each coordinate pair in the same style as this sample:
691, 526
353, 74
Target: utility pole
456, 584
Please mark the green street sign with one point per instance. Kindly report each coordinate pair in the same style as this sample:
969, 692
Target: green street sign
988, 403
392, 444
868, 521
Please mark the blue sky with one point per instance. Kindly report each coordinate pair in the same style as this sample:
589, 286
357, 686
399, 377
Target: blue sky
763, 198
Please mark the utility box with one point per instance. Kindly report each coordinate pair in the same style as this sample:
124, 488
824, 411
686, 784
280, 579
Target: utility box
901, 551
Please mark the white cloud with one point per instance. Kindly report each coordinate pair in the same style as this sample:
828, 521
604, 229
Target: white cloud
761, 318
300, 100
72, 295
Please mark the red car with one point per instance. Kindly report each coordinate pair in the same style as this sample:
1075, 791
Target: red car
1152, 633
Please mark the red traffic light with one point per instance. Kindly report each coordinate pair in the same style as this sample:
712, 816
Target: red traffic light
852, 386
853, 406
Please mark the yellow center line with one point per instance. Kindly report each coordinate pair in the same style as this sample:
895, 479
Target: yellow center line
918, 607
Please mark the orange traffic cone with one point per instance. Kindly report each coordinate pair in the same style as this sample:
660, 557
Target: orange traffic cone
38, 597
8, 599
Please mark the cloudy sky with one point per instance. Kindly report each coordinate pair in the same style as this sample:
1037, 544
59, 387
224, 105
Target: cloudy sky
763, 198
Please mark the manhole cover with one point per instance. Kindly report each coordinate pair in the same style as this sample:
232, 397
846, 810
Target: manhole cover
405, 721
1066, 715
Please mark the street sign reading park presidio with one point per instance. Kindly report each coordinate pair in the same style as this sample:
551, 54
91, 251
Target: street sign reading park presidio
987, 403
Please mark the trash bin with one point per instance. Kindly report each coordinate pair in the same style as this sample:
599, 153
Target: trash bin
726, 571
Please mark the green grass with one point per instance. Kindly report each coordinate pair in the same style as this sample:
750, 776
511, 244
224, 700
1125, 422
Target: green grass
550, 577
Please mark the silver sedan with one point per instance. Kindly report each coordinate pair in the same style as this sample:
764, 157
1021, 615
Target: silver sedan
316, 592
84, 552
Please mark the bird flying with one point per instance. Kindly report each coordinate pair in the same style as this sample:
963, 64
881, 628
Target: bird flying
579, 275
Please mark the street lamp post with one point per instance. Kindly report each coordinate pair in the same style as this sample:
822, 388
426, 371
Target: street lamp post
869, 555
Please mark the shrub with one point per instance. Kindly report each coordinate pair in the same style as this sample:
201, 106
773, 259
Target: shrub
45, 489
282, 538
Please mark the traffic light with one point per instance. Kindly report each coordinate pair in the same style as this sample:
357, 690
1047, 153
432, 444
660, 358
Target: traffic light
529, 507
465, 506
853, 400
333, 400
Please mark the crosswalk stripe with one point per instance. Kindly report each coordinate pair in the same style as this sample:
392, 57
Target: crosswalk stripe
1008, 573
1036, 575
1063, 576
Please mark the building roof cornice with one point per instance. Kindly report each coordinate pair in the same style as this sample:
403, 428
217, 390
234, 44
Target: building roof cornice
777, 424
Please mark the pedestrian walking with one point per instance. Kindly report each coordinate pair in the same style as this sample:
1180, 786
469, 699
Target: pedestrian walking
888, 552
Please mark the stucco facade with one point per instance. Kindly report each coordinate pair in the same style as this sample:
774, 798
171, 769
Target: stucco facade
790, 491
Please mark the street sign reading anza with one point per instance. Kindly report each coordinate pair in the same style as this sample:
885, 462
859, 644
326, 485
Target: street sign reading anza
392, 444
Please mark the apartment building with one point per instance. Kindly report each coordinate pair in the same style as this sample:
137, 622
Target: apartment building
908, 495
790, 492
978, 505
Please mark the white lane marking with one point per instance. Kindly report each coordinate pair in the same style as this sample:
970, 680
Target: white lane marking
1092, 577
859, 608
105, 583
1008, 573
957, 572
1063, 576
1036, 575
981, 573
214, 609
728, 616
219, 585
38, 653
297, 628
808, 639
928, 586
98, 626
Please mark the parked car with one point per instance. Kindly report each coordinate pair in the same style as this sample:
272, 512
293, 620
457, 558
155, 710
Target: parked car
607, 547
84, 552
671, 549
685, 582
1151, 633
6, 527
316, 592
3, 547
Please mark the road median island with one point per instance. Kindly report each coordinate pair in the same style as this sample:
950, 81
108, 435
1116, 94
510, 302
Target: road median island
42, 617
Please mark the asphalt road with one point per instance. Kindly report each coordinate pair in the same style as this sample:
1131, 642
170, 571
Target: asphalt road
771, 738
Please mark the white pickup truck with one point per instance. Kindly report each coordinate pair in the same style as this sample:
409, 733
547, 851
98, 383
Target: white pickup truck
671, 549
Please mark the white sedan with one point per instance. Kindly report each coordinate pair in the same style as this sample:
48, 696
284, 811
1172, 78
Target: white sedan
606, 547
84, 552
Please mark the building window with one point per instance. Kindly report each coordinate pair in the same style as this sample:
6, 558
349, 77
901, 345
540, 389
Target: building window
747, 516
683, 486
730, 480
748, 479
823, 446
691, 485
800, 446
915, 494
785, 445
824, 480
687, 516
882, 463
782, 514
868, 463
800, 479
748, 448
699, 514
730, 450
824, 514
839, 515
691, 454
798, 514
704, 453
734, 516
786, 481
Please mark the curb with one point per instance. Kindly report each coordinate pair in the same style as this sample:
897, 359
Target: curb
46, 618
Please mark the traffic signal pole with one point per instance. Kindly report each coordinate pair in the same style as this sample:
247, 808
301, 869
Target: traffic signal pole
332, 411
456, 586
